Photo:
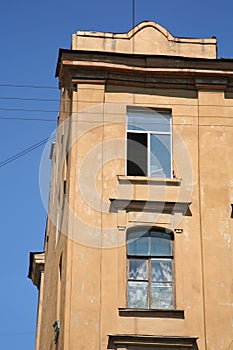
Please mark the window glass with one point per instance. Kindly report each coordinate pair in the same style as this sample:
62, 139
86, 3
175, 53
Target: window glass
160, 159
138, 295
160, 244
148, 120
162, 295
150, 269
138, 244
161, 270
138, 269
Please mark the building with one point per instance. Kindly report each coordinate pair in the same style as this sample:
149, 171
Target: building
138, 247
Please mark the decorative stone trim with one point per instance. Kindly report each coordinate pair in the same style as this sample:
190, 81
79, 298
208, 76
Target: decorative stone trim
36, 267
153, 342
151, 313
149, 180
150, 206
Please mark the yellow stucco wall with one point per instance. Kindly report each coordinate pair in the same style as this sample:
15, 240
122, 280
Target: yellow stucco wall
87, 289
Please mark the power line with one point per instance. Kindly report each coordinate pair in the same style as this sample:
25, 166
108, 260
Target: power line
29, 99
98, 122
67, 100
35, 146
28, 86
28, 110
28, 119
25, 151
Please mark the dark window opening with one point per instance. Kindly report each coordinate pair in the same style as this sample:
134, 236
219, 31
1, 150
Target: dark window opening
137, 154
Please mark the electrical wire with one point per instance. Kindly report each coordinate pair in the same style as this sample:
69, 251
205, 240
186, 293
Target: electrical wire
29, 99
67, 100
25, 151
91, 112
28, 110
28, 119
97, 122
28, 86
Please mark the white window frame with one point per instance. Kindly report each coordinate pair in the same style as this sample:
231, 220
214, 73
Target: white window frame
149, 133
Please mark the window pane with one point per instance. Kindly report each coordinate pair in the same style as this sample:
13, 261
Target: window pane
160, 156
161, 270
160, 244
148, 119
138, 269
136, 154
138, 295
162, 296
138, 243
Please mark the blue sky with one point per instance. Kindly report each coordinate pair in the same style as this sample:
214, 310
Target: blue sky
31, 33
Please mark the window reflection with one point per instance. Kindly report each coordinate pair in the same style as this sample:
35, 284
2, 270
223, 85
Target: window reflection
137, 269
161, 270
138, 295
162, 296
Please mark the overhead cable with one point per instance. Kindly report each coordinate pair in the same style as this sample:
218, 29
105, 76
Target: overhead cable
29, 86
25, 151
28, 119
29, 99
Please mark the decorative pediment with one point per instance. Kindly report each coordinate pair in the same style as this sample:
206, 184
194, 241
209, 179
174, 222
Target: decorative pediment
145, 38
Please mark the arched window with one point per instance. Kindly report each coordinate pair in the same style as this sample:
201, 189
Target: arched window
150, 268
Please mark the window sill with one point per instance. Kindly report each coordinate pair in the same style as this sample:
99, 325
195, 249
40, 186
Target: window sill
156, 313
149, 180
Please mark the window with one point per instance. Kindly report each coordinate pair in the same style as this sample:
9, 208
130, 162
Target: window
148, 142
150, 269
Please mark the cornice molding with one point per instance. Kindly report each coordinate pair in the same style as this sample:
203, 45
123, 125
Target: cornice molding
150, 206
36, 267
157, 342
145, 70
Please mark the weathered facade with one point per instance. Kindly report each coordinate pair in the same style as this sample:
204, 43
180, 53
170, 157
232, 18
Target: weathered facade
138, 247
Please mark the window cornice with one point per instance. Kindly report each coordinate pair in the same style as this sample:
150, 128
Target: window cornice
151, 313
118, 340
150, 206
